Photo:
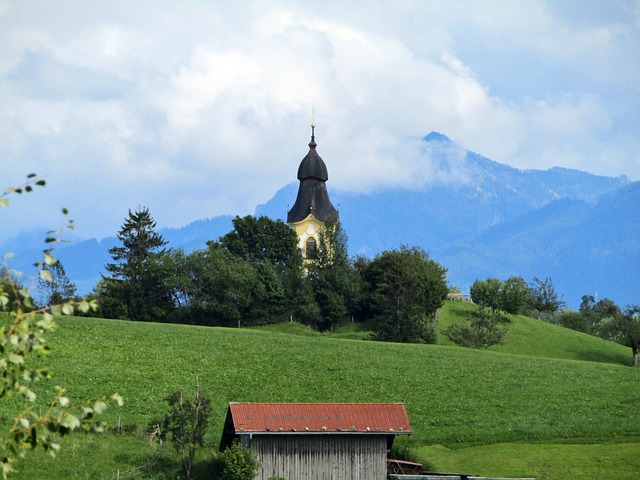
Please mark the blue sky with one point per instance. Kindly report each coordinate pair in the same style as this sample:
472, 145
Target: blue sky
200, 108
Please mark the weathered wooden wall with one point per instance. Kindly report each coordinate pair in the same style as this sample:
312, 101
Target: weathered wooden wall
321, 457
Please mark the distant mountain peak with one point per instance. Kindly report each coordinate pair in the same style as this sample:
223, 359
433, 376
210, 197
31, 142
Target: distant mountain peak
437, 137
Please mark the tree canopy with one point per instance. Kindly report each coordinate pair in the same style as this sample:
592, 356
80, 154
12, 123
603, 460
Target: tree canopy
405, 290
624, 328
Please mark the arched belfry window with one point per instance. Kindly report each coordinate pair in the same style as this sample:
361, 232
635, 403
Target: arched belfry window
310, 247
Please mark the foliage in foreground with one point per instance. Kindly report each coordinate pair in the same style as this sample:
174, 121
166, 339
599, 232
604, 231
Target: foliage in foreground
23, 329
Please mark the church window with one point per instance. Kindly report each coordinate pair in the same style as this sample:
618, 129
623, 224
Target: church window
310, 248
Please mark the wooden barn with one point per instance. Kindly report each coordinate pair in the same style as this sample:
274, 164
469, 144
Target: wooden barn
317, 441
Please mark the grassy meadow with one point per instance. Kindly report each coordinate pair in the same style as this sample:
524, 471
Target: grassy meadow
551, 403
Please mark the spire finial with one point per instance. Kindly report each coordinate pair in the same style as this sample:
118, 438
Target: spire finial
313, 144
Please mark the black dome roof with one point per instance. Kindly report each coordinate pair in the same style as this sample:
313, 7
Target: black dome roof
312, 193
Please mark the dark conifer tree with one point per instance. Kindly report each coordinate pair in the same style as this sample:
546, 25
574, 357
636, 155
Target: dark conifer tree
135, 288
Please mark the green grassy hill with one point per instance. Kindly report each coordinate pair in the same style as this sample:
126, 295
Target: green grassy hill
547, 386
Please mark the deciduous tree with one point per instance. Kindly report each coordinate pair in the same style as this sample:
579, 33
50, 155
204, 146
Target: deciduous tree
514, 295
259, 239
223, 288
336, 285
625, 329
543, 297
406, 289
271, 247
486, 293
186, 421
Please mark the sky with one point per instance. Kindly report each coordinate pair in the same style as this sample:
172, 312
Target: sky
195, 109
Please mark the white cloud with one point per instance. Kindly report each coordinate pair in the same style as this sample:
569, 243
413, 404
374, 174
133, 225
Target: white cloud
205, 109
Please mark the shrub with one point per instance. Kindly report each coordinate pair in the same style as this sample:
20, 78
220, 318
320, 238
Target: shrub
481, 331
239, 463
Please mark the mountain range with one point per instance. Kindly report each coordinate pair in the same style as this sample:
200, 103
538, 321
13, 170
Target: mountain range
477, 217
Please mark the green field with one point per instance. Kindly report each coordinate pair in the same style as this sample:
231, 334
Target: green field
552, 403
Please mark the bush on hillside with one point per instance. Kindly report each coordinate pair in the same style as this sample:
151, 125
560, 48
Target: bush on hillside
482, 330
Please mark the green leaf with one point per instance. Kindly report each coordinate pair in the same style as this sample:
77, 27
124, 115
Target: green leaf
45, 275
63, 401
50, 259
71, 422
100, 407
16, 359
4, 202
67, 309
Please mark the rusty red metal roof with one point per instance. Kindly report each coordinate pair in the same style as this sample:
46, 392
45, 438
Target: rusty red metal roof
388, 418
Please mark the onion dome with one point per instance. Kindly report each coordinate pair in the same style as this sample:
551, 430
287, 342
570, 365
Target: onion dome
312, 193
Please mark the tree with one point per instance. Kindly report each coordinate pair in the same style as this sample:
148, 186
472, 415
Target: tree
336, 285
262, 239
271, 247
596, 312
22, 335
625, 330
575, 321
135, 289
56, 288
514, 295
543, 297
486, 293
406, 288
187, 423
510, 296
223, 288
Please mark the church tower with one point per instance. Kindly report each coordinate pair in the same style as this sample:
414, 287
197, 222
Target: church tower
312, 207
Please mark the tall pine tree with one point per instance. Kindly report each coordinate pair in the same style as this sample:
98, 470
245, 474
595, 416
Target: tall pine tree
135, 289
